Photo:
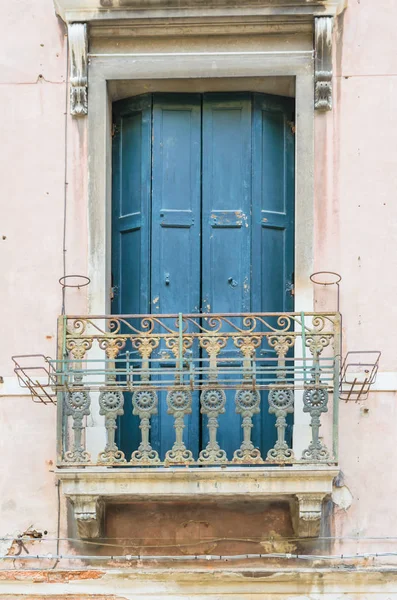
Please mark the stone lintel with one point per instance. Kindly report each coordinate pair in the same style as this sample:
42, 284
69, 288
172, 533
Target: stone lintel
103, 10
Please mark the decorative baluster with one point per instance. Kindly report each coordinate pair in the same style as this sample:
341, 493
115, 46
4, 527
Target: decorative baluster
111, 402
213, 401
77, 402
281, 400
145, 406
179, 402
248, 401
315, 400
145, 403
247, 404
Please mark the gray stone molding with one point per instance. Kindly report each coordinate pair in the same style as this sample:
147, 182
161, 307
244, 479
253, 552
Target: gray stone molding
106, 10
305, 486
78, 64
126, 18
323, 63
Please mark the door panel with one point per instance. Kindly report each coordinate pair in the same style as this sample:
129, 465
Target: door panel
226, 203
273, 206
272, 228
175, 261
226, 227
130, 227
131, 206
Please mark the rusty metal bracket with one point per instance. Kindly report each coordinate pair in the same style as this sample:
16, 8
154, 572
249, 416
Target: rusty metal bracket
358, 374
36, 373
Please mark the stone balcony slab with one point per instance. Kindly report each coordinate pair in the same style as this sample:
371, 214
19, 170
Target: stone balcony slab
306, 486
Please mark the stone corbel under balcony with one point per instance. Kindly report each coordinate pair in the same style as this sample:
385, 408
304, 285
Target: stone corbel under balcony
305, 486
88, 512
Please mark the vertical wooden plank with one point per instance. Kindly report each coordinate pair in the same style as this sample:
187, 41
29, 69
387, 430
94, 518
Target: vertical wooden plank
226, 224
273, 208
273, 225
130, 226
131, 205
175, 260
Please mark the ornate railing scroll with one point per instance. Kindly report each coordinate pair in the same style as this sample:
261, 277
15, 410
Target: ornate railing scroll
251, 364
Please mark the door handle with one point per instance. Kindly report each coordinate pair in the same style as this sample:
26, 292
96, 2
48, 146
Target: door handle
232, 282
167, 279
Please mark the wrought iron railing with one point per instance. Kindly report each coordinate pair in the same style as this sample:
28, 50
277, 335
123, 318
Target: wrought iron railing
279, 363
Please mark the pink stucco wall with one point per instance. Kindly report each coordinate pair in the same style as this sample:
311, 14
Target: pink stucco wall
356, 235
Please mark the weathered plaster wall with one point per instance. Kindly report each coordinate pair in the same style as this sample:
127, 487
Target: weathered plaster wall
32, 189
356, 231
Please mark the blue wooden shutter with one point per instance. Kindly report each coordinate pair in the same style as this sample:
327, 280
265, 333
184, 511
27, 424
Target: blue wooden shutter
175, 260
226, 226
273, 205
131, 205
130, 226
226, 203
272, 227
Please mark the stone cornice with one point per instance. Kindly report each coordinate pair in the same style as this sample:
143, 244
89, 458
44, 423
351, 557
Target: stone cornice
107, 10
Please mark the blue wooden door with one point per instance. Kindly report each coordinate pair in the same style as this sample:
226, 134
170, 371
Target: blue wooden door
273, 196
204, 188
175, 234
226, 227
131, 217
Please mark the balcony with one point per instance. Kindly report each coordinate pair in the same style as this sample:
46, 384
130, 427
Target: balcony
285, 366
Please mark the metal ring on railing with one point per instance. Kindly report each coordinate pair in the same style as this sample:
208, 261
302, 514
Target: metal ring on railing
85, 281
337, 277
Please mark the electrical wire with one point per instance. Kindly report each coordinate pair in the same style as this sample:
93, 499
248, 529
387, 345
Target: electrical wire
254, 540
161, 558
65, 191
58, 539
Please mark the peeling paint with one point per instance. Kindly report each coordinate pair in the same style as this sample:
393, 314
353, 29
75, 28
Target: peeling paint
49, 576
276, 543
342, 497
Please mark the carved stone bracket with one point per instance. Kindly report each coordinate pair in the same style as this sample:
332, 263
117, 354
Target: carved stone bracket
307, 514
78, 61
88, 512
323, 63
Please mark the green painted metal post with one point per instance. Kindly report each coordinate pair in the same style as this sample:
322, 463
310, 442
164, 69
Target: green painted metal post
61, 332
337, 359
180, 325
303, 346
